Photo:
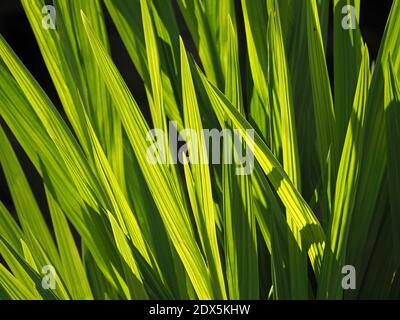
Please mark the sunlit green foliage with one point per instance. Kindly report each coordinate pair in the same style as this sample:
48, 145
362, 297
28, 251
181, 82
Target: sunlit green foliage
324, 192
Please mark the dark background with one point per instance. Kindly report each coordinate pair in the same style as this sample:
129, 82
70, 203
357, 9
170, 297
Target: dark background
14, 27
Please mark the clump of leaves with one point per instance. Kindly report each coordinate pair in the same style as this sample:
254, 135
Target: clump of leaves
323, 193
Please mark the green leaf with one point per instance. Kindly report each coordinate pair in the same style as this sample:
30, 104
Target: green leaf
348, 46
392, 93
29, 214
304, 219
366, 214
255, 18
39, 128
14, 288
201, 177
73, 271
128, 20
170, 202
240, 240
346, 188
325, 119
281, 98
